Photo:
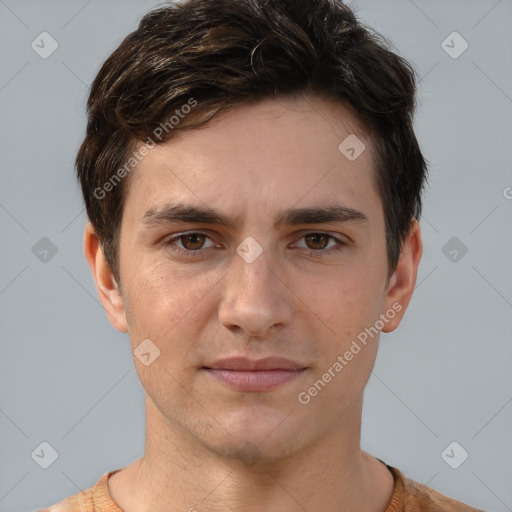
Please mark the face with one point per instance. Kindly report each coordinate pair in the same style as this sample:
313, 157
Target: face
253, 257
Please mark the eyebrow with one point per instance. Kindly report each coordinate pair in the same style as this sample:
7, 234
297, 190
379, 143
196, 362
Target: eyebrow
172, 213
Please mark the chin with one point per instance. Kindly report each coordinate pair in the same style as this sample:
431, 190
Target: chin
258, 441
253, 451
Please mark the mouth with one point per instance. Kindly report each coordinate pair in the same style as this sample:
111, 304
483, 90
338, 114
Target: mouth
249, 375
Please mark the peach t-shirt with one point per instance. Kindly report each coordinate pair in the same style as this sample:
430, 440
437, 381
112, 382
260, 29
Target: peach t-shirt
408, 496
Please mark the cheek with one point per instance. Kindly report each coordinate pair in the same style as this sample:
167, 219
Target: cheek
351, 310
154, 288
348, 302
163, 303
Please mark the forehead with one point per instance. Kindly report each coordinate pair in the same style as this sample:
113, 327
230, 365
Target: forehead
273, 153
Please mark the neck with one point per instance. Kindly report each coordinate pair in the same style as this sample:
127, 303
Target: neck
178, 473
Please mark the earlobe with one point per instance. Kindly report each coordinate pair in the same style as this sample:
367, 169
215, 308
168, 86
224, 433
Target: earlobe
402, 283
108, 289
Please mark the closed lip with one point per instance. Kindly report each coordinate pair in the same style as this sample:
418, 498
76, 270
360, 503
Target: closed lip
246, 364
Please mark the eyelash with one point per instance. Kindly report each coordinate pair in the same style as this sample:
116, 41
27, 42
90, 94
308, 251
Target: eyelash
189, 253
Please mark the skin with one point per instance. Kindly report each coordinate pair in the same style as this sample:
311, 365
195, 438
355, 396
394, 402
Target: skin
210, 447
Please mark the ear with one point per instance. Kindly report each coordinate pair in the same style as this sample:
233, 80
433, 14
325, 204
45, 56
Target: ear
108, 289
402, 282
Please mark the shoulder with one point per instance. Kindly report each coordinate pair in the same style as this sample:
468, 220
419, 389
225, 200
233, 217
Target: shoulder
95, 499
423, 498
417, 497
82, 501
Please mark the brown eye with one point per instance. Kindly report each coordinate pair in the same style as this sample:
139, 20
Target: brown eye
190, 245
317, 241
192, 242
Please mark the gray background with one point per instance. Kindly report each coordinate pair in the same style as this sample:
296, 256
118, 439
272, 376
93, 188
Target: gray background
67, 376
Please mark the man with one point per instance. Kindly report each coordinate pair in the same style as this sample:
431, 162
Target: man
253, 184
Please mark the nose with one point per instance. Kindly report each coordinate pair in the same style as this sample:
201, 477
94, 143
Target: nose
255, 299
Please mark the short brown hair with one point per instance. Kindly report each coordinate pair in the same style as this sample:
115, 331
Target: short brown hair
224, 53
